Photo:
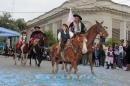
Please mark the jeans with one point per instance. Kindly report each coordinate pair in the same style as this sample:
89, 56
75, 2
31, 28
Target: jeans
118, 61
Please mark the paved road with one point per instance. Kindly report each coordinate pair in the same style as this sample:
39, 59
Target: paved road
18, 75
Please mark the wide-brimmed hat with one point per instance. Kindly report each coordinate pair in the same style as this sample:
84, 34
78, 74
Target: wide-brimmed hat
65, 25
76, 15
36, 27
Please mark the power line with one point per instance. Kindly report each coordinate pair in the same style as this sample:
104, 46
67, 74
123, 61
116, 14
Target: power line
20, 12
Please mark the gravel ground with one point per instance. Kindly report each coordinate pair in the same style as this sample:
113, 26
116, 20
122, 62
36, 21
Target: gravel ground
19, 75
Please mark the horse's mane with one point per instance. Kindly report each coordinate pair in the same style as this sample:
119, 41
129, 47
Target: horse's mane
87, 33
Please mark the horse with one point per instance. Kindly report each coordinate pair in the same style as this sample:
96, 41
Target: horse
71, 54
72, 46
36, 50
22, 52
90, 35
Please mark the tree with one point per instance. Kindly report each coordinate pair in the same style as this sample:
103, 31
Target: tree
7, 21
21, 24
51, 39
110, 41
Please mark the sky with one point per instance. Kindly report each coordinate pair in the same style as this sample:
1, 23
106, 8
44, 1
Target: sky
29, 9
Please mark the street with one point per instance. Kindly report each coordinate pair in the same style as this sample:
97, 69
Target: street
19, 75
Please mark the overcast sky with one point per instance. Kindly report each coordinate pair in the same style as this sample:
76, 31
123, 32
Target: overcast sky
29, 9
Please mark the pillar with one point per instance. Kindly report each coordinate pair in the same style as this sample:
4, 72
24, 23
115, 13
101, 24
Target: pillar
123, 30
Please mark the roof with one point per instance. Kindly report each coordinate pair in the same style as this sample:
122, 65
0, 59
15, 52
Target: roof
84, 4
7, 32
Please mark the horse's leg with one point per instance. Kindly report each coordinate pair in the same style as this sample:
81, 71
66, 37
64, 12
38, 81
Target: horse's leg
66, 67
26, 58
57, 66
90, 61
35, 61
30, 60
53, 64
63, 65
22, 58
39, 61
14, 58
70, 68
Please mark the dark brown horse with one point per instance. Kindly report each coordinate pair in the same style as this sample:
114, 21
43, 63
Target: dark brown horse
37, 49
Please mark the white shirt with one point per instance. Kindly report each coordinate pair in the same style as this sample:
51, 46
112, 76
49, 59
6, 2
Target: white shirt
120, 49
71, 34
76, 27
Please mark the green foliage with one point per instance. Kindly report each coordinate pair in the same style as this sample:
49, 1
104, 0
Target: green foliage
110, 41
51, 38
7, 22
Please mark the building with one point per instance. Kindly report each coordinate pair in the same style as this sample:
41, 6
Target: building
115, 16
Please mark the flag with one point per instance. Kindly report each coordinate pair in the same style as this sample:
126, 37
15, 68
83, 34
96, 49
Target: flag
70, 18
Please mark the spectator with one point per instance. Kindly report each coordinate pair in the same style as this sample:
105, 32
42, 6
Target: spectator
127, 50
97, 56
110, 58
117, 56
102, 56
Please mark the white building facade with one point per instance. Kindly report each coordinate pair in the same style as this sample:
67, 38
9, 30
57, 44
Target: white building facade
115, 16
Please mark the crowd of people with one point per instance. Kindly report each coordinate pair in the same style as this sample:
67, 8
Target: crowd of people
114, 56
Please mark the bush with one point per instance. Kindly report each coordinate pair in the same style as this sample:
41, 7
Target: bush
51, 38
110, 41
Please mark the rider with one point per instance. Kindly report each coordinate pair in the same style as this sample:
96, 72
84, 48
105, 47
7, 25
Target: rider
22, 39
35, 36
63, 36
77, 26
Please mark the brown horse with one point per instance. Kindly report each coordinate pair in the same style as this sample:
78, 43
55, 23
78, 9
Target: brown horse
90, 36
22, 54
73, 46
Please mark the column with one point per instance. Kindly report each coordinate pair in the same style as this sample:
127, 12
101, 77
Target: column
108, 23
123, 30
54, 30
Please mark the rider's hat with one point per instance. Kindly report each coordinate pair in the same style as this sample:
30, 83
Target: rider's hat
76, 15
64, 24
36, 27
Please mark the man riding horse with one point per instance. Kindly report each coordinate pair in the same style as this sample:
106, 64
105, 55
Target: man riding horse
37, 43
77, 26
35, 36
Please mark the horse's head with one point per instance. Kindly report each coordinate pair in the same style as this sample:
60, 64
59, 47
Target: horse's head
100, 29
